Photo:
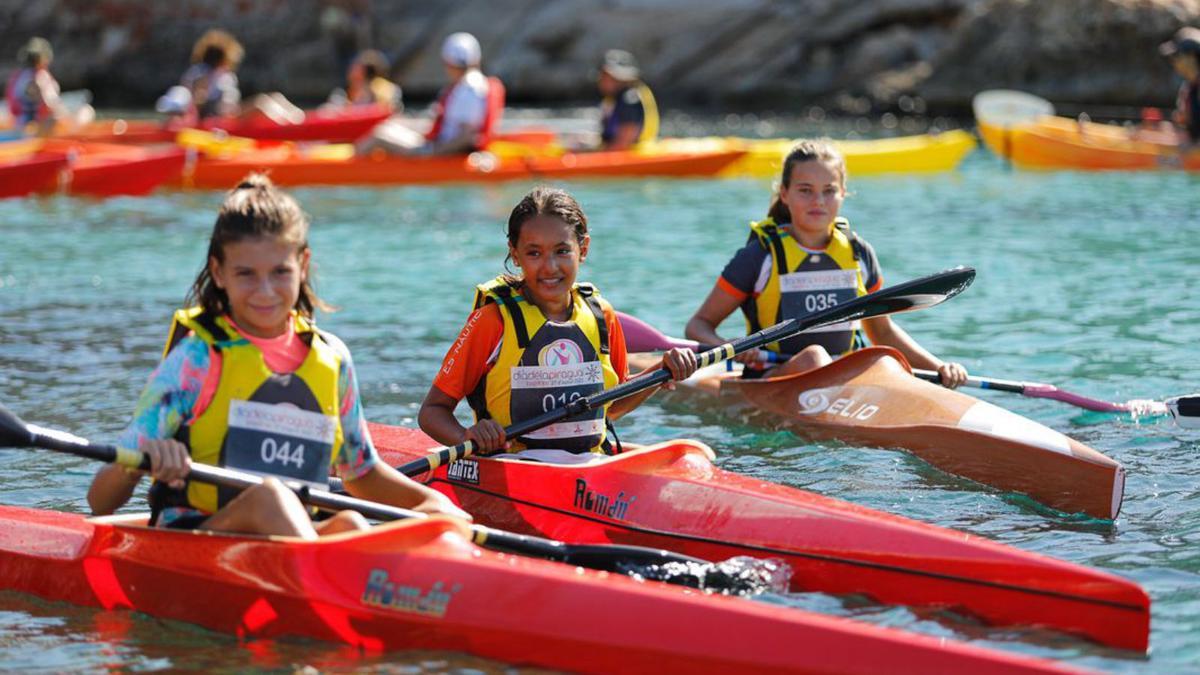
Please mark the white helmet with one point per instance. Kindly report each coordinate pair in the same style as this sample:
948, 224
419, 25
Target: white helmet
461, 50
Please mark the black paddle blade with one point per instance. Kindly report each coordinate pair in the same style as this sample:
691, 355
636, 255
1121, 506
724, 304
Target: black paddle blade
14, 433
904, 297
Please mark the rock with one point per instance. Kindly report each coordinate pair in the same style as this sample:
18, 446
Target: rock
861, 57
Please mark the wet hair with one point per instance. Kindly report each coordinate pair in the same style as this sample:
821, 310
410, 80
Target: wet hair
544, 201
807, 150
217, 47
374, 63
255, 209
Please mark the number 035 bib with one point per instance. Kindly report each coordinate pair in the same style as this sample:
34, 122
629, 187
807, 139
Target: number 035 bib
803, 282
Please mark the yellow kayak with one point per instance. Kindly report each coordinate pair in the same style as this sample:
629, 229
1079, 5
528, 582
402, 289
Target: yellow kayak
926, 153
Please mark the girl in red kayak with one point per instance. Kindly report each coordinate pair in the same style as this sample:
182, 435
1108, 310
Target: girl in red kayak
537, 341
249, 382
801, 259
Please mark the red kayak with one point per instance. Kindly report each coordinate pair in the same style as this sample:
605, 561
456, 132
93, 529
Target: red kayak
671, 496
36, 172
335, 126
424, 585
92, 169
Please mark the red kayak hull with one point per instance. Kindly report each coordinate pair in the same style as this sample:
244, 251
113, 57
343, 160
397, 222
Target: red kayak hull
672, 496
423, 585
340, 126
38, 172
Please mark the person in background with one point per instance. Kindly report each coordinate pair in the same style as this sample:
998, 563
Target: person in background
1183, 51
367, 84
466, 112
209, 87
33, 93
629, 115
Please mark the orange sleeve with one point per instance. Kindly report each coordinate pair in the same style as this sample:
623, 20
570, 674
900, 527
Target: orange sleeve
878, 285
616, 345
729, 288
467, 360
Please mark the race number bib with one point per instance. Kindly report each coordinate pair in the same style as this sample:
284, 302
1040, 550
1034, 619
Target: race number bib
540, 389
280, 440
804, 293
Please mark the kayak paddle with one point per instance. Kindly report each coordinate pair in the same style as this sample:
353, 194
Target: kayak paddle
1041, 390
15, 433
908, 296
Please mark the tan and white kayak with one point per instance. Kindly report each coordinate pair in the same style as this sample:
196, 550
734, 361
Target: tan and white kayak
870, 397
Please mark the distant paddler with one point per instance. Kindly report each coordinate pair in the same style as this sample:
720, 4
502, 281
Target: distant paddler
466, 112
33, 94
1183, 51
628, 112
803, 258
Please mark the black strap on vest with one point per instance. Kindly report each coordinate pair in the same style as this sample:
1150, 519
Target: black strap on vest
856, 244
207, 322
588, 293
505, 293
777, 246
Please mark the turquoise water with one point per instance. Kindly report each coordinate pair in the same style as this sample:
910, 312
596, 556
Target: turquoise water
1085, 281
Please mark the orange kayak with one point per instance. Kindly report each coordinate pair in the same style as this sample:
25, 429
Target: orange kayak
1063, 143
672, 496
870, 397
424, 585
297, 166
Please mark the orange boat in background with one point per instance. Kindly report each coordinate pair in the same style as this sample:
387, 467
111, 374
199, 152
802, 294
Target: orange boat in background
1023, 129
336, 165
870, 397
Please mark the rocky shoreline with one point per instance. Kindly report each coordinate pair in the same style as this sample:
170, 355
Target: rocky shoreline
851, 57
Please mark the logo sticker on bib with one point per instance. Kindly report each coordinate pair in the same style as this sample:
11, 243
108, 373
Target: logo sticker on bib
560, 353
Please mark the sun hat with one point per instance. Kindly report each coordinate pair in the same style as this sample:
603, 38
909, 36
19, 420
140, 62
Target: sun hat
461, 50
1185, 41
39, 47
621, 65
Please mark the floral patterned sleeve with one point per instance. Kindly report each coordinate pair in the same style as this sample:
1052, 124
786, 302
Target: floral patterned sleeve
167, 401
357, 456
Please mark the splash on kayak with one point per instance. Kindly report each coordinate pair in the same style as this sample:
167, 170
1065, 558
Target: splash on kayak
742, 576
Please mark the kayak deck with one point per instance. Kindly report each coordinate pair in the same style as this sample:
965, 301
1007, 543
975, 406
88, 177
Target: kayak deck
422, 584
672, 496
870, 397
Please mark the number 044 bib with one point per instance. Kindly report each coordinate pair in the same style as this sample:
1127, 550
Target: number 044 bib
280, 440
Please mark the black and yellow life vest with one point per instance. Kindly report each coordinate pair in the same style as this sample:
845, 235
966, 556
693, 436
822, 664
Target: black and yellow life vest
258, 421
544, 365
802, 283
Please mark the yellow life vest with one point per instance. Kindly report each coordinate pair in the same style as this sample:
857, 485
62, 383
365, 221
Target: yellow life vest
544, 365
802, 283
258, 421
650, 115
